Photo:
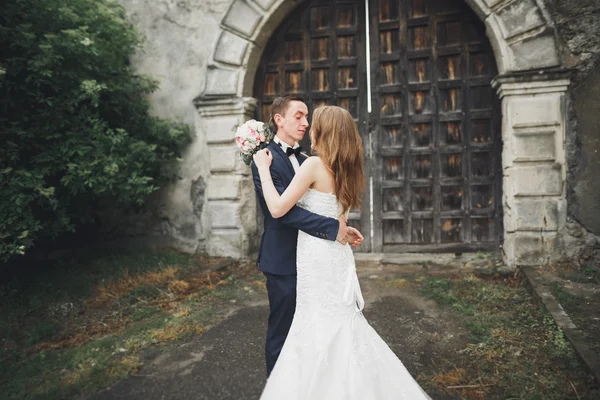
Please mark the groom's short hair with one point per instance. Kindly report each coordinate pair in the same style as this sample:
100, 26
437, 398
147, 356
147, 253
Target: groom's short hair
281, 104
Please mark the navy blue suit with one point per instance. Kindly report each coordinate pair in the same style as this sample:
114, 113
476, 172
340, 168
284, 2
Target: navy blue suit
277, 252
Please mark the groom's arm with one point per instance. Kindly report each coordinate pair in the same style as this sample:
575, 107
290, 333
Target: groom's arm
313, 224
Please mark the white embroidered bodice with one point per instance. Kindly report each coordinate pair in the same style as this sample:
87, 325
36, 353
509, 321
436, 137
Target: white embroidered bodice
327, 281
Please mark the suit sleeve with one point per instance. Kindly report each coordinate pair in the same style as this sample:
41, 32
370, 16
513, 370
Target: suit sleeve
299, 218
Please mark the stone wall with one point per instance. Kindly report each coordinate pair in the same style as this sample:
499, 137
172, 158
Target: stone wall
577, 23
180, 36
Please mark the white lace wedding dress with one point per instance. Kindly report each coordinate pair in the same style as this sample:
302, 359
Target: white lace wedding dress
331, 352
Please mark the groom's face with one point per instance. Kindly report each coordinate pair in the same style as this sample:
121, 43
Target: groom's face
294, 122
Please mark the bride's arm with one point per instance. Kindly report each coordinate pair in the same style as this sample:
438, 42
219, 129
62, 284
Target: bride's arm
280, 205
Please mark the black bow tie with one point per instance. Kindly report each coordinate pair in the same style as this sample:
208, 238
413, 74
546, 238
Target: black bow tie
291, 151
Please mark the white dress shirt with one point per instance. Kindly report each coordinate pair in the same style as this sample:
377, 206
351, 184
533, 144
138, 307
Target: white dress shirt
284, 147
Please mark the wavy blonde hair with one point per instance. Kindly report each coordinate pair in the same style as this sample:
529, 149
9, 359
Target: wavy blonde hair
338, 144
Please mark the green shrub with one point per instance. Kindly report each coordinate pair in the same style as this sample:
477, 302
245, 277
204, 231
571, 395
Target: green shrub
75, 130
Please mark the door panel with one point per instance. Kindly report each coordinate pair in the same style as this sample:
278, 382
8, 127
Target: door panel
435, 128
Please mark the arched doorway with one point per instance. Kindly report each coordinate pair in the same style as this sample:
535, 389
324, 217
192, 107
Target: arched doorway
426, 111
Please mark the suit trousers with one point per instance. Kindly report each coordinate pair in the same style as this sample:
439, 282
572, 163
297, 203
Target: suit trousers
282, 303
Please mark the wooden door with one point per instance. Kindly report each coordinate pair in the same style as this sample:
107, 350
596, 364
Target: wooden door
432, 138
318, 53
435, 128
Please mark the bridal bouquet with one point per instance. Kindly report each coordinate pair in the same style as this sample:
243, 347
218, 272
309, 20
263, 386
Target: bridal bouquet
251, 137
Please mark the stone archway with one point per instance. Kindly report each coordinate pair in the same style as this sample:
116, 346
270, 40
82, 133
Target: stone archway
531, 85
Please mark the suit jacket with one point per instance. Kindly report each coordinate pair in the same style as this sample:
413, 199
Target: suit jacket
277, 252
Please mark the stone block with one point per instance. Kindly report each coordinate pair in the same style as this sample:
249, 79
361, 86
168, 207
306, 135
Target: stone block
223, 158
265, 4
231, 49
518, 17
533, 53
536, 180
535, 215
220, 129
225, 243
531, 111
534, 146
524, 248
492, 3
242, 18
224, 187
221, 82
224, 214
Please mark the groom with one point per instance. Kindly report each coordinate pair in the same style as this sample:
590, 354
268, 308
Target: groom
277, 252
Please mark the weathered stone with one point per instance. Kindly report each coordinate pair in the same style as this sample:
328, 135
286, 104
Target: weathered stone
224, 187
534, 146
536, 215
220, 130
197, 190
527, 248
578, 28
537, 180
527, 111
265, 4
586, 185
187, 230
518, 17
225, 243
535, 52
492, 3
231, 49
221, 82
223, 158
242, 18
224, 214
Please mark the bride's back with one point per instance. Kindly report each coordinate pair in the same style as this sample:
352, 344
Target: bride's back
324, 181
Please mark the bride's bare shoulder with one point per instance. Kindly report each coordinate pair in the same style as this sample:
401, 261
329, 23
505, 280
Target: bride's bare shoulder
313, 162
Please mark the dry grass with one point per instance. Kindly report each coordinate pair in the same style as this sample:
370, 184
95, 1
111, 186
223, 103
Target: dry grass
459, 382
515, 351
116, 289
179, 287
155, 300
398, 283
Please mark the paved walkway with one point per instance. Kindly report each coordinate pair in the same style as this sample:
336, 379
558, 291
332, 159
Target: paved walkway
227, 362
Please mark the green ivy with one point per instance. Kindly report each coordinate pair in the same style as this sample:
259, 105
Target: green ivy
75, 129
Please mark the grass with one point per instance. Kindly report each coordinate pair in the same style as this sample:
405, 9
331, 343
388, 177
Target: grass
565, 298
582, 271
515, 350
82, 324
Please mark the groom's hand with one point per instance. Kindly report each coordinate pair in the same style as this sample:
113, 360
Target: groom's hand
342, 231
354, 237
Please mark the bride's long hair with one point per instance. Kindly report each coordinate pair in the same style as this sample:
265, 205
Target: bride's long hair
337, 141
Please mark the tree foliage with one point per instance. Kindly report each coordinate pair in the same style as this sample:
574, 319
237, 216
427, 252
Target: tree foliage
74, 118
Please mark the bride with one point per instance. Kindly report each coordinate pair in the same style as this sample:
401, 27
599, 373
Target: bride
331, 351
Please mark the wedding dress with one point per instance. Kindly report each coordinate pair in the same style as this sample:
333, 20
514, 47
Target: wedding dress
331, 351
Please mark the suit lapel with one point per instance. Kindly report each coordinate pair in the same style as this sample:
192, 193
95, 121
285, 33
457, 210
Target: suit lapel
277, 150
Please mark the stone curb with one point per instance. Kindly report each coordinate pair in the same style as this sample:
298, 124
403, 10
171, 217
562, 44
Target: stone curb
563, 320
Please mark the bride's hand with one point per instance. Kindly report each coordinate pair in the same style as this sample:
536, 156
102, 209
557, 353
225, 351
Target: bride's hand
263, 158
355, 238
